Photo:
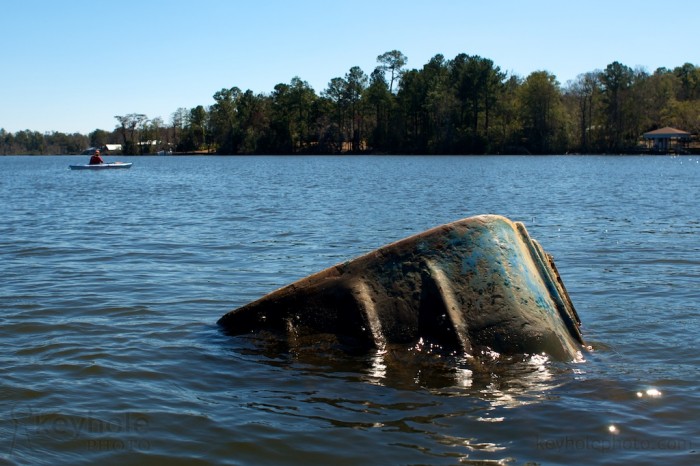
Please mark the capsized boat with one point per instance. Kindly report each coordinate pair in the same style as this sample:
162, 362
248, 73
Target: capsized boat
102, 166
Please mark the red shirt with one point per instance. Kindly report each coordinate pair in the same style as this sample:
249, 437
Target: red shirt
96, 160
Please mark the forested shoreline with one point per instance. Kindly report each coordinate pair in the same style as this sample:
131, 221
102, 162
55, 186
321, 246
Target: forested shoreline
464, 105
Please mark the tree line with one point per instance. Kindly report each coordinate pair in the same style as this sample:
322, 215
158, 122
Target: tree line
463, 105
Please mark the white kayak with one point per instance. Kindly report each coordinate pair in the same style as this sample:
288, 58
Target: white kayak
102, 166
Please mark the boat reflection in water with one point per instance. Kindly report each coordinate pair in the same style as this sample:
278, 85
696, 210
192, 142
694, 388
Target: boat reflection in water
501, 380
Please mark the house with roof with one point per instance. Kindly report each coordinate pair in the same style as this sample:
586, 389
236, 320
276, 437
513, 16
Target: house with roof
667, 140
112, 147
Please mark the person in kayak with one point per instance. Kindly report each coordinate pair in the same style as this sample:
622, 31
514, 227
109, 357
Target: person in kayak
96, 159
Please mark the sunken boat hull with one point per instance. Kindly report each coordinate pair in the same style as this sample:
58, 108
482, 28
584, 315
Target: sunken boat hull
480, 284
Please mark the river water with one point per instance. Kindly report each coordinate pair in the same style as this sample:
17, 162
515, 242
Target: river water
111, 284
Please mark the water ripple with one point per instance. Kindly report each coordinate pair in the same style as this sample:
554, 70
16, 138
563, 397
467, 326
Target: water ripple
111, 353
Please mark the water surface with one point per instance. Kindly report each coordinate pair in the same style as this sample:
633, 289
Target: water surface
111, 284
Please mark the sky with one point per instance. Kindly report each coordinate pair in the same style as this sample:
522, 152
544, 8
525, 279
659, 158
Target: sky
72, 65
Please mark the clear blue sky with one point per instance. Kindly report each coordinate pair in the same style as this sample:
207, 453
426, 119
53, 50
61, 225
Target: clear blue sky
72, 65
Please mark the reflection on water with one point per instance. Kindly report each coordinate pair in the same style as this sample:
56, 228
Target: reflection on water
431, 396
505, 381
